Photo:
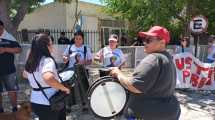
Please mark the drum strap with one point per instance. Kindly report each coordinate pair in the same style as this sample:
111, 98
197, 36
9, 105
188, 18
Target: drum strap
70, 52
67, 64
39, 89
42, 90
85, 52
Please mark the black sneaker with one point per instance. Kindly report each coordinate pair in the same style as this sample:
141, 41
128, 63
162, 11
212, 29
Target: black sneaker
14, 109
84, 109
68, 110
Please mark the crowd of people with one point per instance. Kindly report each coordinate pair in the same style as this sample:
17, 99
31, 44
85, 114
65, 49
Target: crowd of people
151, 87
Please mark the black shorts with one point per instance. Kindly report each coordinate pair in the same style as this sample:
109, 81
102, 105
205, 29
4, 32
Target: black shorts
154, 109
44, 112
9, 82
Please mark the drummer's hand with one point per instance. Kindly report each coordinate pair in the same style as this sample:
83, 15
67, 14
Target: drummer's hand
2, 50
101, 59
65, 59
82, 62
66, 90
115, 72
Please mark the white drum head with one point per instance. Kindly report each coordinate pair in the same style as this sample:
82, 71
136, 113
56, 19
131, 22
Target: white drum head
66, 75
108, 100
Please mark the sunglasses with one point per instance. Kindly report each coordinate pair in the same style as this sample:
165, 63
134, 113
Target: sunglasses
111, 41
150, 40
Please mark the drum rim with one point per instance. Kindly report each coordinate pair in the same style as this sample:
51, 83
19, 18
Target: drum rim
97, 82
104, 69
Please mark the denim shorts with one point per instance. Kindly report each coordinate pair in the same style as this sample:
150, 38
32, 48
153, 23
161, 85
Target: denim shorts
9, 82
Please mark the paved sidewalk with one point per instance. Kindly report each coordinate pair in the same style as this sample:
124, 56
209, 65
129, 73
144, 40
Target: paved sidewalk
197, 105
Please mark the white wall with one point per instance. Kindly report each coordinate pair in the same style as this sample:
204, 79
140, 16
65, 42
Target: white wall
61, 16
90, 23
52, 15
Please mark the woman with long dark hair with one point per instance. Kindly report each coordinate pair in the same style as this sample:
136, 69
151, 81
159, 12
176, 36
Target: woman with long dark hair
184, 46
41, 68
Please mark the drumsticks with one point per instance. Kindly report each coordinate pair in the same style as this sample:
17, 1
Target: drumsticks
108, 99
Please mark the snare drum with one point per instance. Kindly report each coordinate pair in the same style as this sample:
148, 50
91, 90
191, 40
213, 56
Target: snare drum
107, 98
67, 76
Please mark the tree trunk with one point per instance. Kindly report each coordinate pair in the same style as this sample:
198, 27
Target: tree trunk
11, 25
77, 15
4, 14
186, 27
191, 11
21, 12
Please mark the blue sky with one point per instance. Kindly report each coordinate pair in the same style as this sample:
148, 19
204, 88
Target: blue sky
90, 1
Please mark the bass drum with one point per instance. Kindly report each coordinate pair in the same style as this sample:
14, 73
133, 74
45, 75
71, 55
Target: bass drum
107, 98
104, 72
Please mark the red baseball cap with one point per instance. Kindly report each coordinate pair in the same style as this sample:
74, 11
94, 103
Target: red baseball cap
157, 31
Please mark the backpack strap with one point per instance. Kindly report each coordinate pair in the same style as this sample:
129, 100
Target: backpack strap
40, 87
85, 52
70, 52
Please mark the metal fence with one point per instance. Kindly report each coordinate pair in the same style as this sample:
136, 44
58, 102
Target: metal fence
133, 54
91, 38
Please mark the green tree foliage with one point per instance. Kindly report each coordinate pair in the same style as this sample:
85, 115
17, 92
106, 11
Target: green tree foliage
64, 1
16, 4
173, 14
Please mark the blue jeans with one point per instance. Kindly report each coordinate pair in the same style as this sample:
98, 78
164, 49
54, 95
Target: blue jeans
9, 82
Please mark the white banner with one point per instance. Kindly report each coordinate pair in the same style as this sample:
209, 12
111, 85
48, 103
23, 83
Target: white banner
193, 74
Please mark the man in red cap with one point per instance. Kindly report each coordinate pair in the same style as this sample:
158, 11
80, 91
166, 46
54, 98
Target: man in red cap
153, 82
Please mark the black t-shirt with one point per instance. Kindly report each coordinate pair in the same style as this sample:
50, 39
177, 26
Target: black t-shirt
63, 40
7, 65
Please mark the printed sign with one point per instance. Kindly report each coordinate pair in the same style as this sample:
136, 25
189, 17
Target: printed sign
192, 73
198, 24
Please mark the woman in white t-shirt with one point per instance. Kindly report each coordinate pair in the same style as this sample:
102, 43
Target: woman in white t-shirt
78, 53
41, 67
111, 56
77, 50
